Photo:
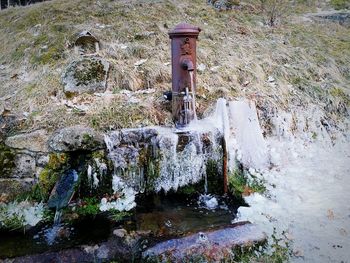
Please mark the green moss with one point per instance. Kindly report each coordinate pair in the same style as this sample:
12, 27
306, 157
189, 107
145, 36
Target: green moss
18, 53
239, 184
339, 93
340, 4
214, 177
7, 163
151, 166
47, 180
57, 160
87, 138
278, 251
118, 216
99, 155
188, 190
88, 71
58, 163
51, 55
89, 207
35, 194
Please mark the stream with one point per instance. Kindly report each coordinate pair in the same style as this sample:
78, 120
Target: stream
163, 216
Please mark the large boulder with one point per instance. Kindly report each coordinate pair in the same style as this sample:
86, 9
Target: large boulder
76, 138
87, 75
35, 141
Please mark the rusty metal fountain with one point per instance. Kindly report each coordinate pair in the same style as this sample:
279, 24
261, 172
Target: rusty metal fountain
183, 52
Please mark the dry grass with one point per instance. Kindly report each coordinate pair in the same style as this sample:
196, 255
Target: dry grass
308, 60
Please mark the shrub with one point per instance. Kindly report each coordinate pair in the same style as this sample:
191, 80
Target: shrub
274, 10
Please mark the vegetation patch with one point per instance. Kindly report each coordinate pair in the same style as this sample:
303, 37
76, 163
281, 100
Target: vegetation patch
243, 183
276, 250
7, 156
215, 181
340, 94
340, 4
118, 216
88, 206
58, 163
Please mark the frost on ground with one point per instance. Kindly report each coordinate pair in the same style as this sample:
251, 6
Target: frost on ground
21, 214
307, 190
126, 202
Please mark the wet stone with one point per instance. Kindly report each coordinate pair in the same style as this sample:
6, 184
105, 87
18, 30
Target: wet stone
63, 190
7, 160
213, 246
120, 232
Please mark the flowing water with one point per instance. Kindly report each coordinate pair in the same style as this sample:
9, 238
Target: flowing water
174, 215
193, 95
15, 244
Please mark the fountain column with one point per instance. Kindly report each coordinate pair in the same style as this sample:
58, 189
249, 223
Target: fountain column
183, 57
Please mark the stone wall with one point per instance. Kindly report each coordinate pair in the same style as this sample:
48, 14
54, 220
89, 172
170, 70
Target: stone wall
150, 159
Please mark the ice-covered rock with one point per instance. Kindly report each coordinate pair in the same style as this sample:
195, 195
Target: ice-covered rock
25, 213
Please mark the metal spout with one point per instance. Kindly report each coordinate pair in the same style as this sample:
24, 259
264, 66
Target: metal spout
187, 64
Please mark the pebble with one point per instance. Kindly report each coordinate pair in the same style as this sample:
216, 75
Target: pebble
201, 67
140, 62
271, 79
120, 232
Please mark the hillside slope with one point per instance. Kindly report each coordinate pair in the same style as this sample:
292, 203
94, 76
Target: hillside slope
295, 64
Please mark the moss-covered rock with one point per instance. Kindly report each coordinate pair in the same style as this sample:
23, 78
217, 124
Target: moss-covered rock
58, 163
87, 75
7, 160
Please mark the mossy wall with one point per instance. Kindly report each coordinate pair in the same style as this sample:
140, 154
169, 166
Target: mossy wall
7, 163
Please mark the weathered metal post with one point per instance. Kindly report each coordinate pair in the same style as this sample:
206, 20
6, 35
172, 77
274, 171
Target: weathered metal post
183, 52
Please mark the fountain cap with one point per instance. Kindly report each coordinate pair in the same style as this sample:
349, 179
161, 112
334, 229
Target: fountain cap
184, 30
